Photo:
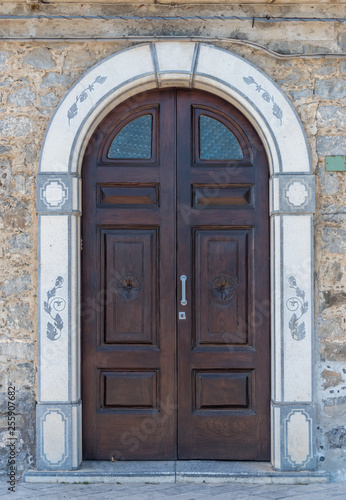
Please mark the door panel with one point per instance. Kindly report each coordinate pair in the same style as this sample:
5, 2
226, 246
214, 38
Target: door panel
130, 262
128, 270
221, 269
223, 354
190, 198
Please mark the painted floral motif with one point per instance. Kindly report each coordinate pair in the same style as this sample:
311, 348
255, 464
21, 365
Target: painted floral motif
299, 304
52, 305
277, 111
73, 111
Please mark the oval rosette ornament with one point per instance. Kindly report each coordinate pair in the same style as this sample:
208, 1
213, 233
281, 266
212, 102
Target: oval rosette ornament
129, 287
223, 289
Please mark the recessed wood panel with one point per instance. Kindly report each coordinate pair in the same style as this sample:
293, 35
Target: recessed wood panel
125, 195
222, 390
205, 195
129, 389
221, 283
130, 281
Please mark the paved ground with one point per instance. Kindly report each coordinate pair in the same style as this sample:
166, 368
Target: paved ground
174, 491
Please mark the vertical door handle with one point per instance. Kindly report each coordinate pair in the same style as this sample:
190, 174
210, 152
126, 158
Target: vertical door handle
183, 279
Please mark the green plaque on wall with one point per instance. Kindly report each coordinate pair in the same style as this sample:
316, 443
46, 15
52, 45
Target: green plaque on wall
336, 163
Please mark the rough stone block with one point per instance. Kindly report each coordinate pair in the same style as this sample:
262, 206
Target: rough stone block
331, 145
15, 126
331, 116
326, 70
5, 176
334, 240
2, 59
49, 101
53, 79
39, 59
329, 182
20, 243
14, 351
333, 88
16, 284
22, 97
19, 317
336, 438
334, 351
301, 94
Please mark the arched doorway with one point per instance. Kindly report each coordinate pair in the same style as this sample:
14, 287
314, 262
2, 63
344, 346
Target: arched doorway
291, 184
175, 231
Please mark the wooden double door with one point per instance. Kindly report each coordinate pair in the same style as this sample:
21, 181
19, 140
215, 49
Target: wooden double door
175, 282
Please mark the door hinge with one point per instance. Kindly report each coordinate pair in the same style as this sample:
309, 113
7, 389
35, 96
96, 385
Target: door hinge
81, 244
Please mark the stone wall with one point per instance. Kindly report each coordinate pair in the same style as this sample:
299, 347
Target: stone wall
35, 75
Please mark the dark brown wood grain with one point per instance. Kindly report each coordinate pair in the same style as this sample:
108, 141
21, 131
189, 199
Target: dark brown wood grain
155, 387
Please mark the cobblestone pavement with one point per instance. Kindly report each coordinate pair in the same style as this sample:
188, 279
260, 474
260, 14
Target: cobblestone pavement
174, 491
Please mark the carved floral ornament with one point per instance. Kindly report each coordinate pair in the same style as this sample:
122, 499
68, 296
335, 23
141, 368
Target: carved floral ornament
129, 287
223, 289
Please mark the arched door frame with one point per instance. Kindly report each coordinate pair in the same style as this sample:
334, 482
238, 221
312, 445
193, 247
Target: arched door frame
140, 68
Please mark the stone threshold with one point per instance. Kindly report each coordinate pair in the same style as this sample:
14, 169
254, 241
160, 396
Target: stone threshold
180, 471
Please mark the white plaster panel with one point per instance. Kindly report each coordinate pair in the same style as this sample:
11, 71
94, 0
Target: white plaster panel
275, 436
297, 437
264, 95
105, 77
176, 57
76, 194
174, 80
53, 353
54, 430
276, 307
297, 307
75, 312
76, 435
274, 194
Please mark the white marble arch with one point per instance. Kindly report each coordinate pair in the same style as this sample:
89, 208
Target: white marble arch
175, 64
